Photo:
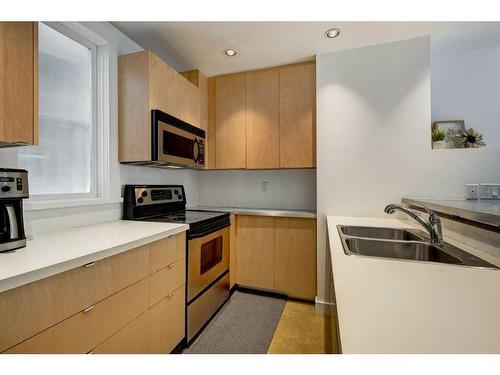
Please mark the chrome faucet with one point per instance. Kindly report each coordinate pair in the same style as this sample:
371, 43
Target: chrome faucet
432, 225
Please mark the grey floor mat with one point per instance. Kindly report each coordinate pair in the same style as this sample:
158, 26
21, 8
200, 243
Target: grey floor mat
245, 325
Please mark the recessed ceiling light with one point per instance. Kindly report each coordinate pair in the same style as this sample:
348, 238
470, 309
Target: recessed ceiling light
332, 33
230, 52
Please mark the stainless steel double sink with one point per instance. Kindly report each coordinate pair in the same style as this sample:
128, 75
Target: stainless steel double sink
403, 244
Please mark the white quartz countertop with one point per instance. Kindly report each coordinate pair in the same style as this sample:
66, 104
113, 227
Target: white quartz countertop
47, 254
260, 211
393, 306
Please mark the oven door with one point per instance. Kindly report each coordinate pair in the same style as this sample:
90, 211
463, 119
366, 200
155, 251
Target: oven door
179, 147
208, 258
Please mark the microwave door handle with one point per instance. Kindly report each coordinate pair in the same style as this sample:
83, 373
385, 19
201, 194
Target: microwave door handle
14, 233
196, 147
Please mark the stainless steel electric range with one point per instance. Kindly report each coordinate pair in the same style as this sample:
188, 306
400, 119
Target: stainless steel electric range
207, 258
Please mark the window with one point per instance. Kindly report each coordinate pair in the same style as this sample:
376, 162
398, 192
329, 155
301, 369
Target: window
64, 164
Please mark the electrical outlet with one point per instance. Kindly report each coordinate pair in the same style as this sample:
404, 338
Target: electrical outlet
489, 191
264, 186
472, 191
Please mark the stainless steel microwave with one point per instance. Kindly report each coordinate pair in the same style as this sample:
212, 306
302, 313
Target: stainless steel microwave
175, 142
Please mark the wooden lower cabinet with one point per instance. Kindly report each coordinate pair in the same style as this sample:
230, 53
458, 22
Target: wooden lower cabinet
277, 254
167, 322
167, 251
255, 259
83, 331
102, 306
158, 330
166, 280
131, 339
37, 306
295, 257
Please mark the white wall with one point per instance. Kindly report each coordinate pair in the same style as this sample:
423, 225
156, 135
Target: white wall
288, 189
465, 86
375, 104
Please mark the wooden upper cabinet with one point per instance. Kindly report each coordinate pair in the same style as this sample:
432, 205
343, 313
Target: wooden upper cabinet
165, 86
295, 257
263, 119
190, 103
298, 116
230, 122
19, 82
145, 82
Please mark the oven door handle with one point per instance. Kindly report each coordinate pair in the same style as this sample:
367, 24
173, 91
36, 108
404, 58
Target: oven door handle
211, 230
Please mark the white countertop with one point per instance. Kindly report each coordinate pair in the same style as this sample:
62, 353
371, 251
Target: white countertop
260, 211
391, 306
47, 254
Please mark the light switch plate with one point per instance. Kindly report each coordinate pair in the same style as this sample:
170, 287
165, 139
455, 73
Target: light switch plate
489, 191
472, 191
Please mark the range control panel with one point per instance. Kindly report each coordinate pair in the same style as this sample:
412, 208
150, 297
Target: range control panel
13, 183
156, 195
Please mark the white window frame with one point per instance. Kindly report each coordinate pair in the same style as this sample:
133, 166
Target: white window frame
99, 187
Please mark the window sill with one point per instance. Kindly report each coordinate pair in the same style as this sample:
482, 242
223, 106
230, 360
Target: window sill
37, 205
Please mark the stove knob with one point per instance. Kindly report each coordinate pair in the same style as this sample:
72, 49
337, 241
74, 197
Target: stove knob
5, 188
144, 193
176, 192
140, 200
179, 196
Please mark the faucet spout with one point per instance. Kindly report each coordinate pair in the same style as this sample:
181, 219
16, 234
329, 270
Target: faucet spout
432, 225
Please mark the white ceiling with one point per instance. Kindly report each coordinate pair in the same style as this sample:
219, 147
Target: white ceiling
200, 45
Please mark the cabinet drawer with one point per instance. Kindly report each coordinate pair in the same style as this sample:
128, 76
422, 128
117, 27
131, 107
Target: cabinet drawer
167, 251
85, 330
131, 339
37, 306
166, 280
167, 322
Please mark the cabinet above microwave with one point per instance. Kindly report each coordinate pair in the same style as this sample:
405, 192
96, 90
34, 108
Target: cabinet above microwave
147, 85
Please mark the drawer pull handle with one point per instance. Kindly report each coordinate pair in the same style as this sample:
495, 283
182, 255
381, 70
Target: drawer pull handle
170, 295
89, 264
171, 236
90, 308
170, 265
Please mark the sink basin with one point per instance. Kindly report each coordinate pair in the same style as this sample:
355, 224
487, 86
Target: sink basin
418, 251
383, 233
404, 244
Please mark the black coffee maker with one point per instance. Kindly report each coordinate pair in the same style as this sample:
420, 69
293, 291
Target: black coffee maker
13, 189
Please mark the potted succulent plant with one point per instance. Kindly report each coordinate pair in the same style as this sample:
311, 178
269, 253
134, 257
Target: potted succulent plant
438, 137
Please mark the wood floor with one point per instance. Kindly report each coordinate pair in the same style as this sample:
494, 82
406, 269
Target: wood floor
302, 331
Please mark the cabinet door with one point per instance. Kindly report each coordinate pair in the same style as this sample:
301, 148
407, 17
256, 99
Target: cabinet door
189, 102
263, 116
19, 82
164, 86
230, 122
255, 246
295, 261
298, 116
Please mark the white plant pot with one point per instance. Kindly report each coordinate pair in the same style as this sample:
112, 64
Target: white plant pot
438, 145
